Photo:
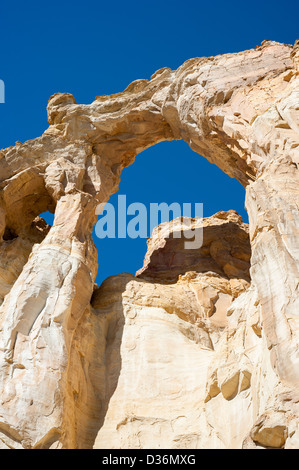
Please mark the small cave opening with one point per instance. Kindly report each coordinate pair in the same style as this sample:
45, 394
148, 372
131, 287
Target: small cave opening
9, 234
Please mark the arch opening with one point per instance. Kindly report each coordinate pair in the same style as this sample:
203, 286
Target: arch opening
167, 172
48, 217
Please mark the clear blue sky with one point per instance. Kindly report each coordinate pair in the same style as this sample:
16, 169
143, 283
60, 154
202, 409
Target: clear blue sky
90, 48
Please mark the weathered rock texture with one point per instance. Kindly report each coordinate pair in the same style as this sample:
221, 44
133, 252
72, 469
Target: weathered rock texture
193, 352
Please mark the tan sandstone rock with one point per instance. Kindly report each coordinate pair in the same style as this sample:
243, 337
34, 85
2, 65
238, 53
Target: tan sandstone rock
71, 353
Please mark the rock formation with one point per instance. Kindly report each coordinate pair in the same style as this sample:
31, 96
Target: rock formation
198, 350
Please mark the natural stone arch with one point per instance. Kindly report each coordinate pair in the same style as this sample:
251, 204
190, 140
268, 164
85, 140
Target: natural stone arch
180, 175
240, 111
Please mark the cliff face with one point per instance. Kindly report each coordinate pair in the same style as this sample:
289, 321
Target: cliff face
171, 332
200, 349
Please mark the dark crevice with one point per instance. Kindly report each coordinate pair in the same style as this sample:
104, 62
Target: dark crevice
9, 234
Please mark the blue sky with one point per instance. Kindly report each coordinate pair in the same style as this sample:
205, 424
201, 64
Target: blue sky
93, 47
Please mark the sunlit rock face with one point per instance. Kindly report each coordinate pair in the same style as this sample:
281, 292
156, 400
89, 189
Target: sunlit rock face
201, 347
165, 338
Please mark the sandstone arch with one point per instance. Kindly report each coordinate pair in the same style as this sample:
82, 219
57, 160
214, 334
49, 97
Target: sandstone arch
240, 111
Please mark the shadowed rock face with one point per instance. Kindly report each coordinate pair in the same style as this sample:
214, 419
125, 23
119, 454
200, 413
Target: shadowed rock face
65, 360
225, 249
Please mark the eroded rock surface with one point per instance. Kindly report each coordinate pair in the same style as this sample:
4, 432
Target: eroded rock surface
170, 330
66, 354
